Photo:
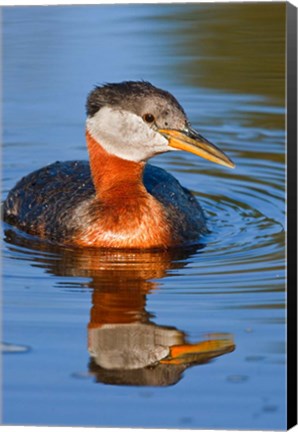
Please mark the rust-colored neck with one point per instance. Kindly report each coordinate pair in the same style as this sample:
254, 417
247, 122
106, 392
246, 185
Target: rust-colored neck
112, 176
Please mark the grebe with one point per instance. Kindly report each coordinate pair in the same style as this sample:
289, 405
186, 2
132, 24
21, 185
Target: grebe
117, 201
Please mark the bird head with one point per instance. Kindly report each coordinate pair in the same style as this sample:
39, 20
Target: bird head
136, 121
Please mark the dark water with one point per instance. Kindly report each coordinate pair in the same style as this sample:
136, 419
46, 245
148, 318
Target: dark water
183, 339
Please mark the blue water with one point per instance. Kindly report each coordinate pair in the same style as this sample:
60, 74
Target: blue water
230, 291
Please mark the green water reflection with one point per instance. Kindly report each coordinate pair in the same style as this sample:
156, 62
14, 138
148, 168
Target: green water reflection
236, 47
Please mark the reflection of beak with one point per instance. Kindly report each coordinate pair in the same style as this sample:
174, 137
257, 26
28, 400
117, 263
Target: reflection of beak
189, 140
199, 352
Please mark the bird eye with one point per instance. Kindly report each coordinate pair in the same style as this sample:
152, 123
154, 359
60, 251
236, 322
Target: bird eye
149, 118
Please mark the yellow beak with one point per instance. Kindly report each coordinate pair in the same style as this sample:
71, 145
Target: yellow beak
189, 140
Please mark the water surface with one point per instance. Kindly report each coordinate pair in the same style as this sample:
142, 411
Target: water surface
189, 338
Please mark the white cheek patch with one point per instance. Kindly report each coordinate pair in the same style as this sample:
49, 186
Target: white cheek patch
125, 135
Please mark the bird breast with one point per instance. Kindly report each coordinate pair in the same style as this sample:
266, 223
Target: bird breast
126, 224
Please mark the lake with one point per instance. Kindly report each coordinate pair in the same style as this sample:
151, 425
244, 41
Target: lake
83, 329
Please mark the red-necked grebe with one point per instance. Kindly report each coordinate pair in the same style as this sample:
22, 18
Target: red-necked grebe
117, 200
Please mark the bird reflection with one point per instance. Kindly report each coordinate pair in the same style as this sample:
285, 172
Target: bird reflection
125, 346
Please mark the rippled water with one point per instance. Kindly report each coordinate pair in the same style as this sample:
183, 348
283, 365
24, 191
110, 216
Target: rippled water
187, 338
